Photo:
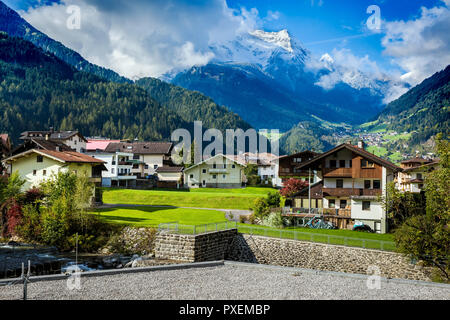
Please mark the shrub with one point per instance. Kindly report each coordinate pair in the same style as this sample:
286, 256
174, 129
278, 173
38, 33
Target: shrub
274, 220
13, 217
30, 227
243, 219
261, 208
293, 186
273, 199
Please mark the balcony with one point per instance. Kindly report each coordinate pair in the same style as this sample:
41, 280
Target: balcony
348, 192
344, 213
337, 172
218, 168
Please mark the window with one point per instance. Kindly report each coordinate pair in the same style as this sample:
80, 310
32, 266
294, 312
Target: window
339, 183
419, 176
331, 203
342, 204
224, 165
223, 176
214, 176
366, 205
44, 172
350, 163
214, 165
420, 186
233, 166
135, 157
341, 163
366, 184
191, 176
40, 159
376, 184
204, 171
146, 166
367, 164
112, 170
155, 166
332, 163
34, 172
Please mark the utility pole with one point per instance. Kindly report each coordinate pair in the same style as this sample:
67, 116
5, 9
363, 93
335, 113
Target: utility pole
309, 190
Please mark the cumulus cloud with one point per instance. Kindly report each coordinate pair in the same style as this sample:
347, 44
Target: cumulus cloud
420, 46
144, 38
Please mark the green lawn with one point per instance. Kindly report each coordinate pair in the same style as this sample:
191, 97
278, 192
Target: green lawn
192, 221
153, 216
200, 198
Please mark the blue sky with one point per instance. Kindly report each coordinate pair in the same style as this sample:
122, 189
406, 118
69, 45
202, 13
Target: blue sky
142, 37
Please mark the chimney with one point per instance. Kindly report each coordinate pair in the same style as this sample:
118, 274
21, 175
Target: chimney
361, 144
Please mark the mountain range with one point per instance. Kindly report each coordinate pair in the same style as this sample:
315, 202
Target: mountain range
260, 79
272, 81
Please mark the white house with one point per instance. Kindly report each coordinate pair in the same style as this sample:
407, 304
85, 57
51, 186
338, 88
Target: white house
219, 171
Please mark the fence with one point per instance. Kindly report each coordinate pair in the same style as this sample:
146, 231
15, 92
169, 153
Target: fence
318, 237
175, 227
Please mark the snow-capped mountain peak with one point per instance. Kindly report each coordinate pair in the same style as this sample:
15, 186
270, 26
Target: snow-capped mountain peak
281, 38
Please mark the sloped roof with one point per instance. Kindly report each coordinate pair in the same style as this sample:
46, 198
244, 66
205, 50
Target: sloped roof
54, 135
93, 145
62, 156
417, 160
141, 147
358, 151
210, 159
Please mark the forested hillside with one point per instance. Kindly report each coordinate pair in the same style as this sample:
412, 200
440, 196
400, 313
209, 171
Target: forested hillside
422, 112
192, 105
37, 90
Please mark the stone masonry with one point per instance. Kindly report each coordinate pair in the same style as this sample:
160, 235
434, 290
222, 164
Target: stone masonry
309, 255
231, 245
194, 248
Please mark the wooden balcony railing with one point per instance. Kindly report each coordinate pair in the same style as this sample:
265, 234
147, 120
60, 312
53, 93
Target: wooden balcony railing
348, 192
337, 172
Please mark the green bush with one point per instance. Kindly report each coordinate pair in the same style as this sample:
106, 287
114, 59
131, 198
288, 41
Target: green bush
30, 228
274, 220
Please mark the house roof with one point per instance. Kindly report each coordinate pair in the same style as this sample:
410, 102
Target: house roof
169, 169
423, 166
299, 154
416, 160
40, 144
140, 147
93, 145
358, 151
61, 156
54, 135
209, 159
316, 191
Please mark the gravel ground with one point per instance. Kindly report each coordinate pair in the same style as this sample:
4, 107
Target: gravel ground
226, 282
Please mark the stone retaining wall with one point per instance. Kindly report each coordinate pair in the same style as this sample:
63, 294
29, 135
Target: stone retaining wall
302, 254
194, 248
231, 245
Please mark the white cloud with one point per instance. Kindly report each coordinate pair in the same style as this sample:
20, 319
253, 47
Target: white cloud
420, 46
144, 38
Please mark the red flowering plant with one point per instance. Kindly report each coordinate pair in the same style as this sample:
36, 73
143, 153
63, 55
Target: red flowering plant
292, 186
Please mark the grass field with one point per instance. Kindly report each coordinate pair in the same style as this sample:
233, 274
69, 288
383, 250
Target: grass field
192, 221
200, 198
153, 216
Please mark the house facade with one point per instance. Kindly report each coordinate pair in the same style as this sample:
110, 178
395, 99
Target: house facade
118, 168
147, 156
219, 171
351, 182
288, 166
412, 177
37, 165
